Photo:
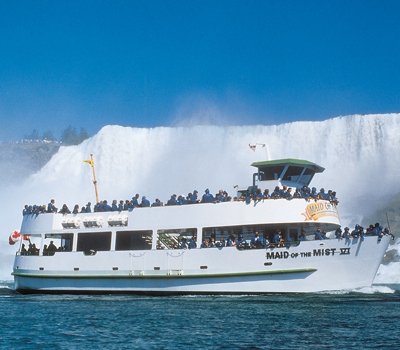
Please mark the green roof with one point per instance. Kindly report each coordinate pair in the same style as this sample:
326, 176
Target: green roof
289, 161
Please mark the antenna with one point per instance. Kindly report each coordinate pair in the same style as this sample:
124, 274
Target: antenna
253, 147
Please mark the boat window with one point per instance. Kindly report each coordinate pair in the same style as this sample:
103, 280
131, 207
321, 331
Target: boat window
307, 176
230, 235
97, 241
271, 173
133, 240
54, 242
30, 245
293, 173
174, 239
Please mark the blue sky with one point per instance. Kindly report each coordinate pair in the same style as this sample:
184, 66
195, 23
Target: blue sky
150, 63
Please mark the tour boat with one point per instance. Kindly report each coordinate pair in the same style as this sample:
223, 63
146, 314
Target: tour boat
161, 250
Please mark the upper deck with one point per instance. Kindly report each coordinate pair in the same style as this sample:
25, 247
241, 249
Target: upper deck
278, 213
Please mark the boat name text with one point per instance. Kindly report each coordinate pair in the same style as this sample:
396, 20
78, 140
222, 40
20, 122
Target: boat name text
315, 252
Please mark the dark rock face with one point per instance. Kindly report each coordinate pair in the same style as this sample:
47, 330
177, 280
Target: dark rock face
18, 160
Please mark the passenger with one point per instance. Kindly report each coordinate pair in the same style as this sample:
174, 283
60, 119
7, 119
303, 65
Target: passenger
114, 205
302, 236
322, 194
264, 240
27, 210
194, 198
128, 205
83, 210
145, 202
370, 230
183, 243
277, 238
334, 199
282, 191
297, 193
204, 244
318, 235
227, 197
192, 243
281, 241
51, 249
314, 194
346, 233
338, 233
88, 207
288, 194
276, 194
356, 232
207, 197
97, 207
188, 198
255, 241
172, 200
106, 206
51, 208
221, 242
135, 201
219, 197
248, 197
23, 250
211, 242
258, 195
76, 209
230, 242
387, 232
64, 210
307, 195
241, 242
181, 200
157, 203
121, 205
266, 194
33, 250
45, 251
378, 229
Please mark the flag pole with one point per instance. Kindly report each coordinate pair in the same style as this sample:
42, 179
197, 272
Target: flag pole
94, 179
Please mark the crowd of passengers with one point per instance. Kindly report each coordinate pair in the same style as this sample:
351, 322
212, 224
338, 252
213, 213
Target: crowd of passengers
287, 192
359, 231
192, 198
277, 239
33, 250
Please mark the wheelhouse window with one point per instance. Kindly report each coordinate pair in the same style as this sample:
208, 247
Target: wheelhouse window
94, 241
271, 173
293, 173
134, 240
176, 238
54, 242
307, 176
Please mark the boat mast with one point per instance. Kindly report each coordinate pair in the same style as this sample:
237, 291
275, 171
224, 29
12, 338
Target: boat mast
91, 163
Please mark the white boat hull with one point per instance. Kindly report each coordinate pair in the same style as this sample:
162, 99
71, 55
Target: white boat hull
311, 266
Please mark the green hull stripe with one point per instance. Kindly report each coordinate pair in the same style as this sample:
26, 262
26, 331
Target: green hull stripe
164, 276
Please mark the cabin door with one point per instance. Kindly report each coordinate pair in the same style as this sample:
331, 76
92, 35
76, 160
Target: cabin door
137, 263
175, 261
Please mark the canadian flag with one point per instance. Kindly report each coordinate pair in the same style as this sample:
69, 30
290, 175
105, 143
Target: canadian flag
14, 237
